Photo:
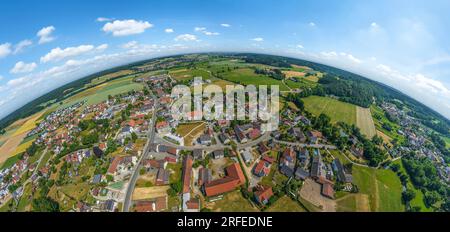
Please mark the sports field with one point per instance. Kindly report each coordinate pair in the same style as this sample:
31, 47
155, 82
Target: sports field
336, 110
365, 122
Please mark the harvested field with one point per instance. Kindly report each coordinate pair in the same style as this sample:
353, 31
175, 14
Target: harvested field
365, 122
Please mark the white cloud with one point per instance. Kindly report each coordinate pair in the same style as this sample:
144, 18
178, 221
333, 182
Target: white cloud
312, 24
103, 19
258, 39
204, 31
168, 30
101, 47
374, 25
126, 27
300, 46
22, 45
58, 54
225, 25
186, 37
45, 34
5, 49
22, 67
131, 44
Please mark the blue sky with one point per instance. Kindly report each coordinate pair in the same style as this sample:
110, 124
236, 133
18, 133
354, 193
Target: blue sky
405, 44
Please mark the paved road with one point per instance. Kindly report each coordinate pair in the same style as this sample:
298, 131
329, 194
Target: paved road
319, 146
135, 174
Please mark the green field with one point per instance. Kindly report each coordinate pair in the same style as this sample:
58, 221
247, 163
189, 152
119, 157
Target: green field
382, 187
447, 141
100, 93
233, 202
247, 76
336, 110
10, 161
189, 74
286, 204
418, 200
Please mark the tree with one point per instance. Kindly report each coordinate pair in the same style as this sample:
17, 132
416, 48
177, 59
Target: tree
408, 195
431, 198
395, 167
377, 140
134, 137
45, 204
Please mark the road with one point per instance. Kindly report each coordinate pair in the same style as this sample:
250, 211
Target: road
135, 174
318, 146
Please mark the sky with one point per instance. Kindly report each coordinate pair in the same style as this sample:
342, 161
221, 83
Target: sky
404, 44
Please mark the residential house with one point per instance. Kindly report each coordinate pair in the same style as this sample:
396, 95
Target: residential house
263, 194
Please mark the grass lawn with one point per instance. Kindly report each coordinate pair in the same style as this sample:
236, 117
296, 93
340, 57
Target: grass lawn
176, 172
286, 204
365, 122
336, 110
5, 207
77, 191
382, 186
247, 76
233, 202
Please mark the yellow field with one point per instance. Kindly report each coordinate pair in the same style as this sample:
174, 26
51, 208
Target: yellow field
365, 122
293, 74
298, 66
149, 192
12, 144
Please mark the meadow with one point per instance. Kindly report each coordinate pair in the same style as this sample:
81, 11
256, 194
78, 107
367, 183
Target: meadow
286, 204
247, 76
365, 122
336, 110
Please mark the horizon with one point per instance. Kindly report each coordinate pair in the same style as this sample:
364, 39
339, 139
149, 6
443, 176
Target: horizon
406, 49
217, 52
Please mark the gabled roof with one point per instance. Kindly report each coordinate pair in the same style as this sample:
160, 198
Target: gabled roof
187, 173
264, 193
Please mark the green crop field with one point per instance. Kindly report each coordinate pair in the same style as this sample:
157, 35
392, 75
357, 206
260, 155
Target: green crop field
247, 76
100, 93
336, 110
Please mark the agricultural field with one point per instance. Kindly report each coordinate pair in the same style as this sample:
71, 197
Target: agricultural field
232, 202
382, 186
12, 146
189, 74
101, 92
379, 190
286, 204
110, 76
365, 122
247, 76
336, 110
